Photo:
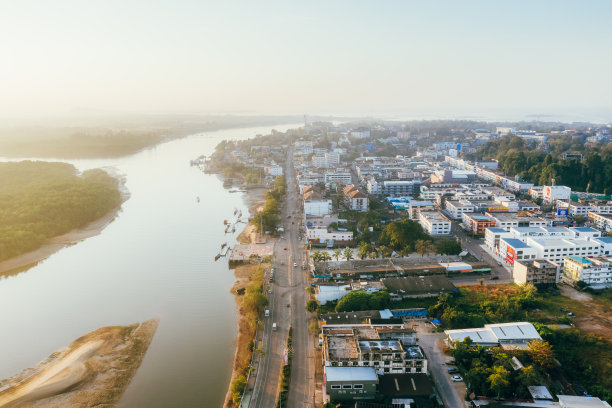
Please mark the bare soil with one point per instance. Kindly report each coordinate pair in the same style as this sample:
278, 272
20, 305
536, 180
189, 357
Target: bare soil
598, 320
93, 371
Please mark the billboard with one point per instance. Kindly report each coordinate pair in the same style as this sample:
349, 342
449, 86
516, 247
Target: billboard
498, 209
562, 212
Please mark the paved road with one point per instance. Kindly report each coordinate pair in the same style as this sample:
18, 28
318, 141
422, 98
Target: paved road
287, 308
452, 393
301, 387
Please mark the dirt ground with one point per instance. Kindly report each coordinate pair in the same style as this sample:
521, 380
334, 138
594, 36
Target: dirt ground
94, 370
598, 320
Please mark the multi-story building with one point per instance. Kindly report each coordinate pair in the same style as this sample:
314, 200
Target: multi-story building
355, 198
477, 224
601, 221
594, 271
417, 206
400, 187
457, 208
539, 272
507, 221
315, 204
434, 223
350, 383
274, 170
339, 176
551, 194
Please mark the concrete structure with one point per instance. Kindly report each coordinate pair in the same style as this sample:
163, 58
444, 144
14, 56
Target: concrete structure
434, 223
339, 176
400, 187
418, 206
355, 198
477, 224
417, 286
540, 273
594, 271
572, 401
601, 221
457, 208
550, 194
505, 335
274, 170
507, 221
350, 383
315, 204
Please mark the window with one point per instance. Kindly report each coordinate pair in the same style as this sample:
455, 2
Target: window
335, 387
347, 386
358, 386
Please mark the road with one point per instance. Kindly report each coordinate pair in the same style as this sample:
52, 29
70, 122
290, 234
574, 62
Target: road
287, 308
452, 393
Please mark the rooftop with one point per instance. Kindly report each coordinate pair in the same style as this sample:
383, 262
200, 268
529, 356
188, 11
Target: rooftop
342, 347
405, 385
380, 345
407, 285
350, 374
515, 243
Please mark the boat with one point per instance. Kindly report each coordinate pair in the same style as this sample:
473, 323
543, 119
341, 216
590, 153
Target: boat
217, 257
233, 229
223, 245
235, 211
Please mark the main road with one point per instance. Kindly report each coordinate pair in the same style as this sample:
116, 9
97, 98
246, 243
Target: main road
287, 302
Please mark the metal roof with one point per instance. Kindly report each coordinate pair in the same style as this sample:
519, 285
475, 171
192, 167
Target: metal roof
350, 374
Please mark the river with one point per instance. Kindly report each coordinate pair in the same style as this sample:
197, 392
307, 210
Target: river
156, 259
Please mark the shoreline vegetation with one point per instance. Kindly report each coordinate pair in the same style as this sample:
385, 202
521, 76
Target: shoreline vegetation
45, 207
93, 370
115, 137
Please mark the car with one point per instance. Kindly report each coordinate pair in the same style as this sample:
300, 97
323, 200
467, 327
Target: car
456, 378
452, 370
450, 362
295, 264
284, 249
269, 291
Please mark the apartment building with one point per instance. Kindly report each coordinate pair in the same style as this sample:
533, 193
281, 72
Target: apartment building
417, 206
540, 272
456, 209
434, 223
595, 271
355, 198
601, 221
477, 224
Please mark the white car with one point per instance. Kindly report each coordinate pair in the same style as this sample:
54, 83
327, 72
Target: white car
456, 378
295, 264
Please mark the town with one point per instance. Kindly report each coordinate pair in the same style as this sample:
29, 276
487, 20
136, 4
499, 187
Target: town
430, 264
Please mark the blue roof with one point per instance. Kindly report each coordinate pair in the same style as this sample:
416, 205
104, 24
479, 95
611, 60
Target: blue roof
515, 243
580, 259
605, 240
495, 229
584, 229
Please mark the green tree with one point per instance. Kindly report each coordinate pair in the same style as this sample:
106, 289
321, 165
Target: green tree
348, 253
499, 380
312, 306
364, 248
337, 253
421, 247
541, 353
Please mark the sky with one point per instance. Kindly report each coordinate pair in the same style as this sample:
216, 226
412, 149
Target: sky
395, 58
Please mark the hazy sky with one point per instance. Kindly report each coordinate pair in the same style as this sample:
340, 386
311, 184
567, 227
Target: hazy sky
345, 57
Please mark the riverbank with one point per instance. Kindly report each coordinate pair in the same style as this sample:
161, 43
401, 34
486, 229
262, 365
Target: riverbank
255, 199
23, 261
94, 370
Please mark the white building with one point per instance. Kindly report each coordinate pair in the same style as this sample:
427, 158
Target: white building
571, 401
594, 271
274, 170
553, 193
434, 223
314, 204
601, 221
318, 160
457, 208
338, 176
506, 335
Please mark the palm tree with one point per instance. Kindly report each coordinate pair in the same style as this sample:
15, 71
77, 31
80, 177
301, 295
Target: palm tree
316, 256
373, 255
421, 247
337, 253
325, 256
348, 253
363, 250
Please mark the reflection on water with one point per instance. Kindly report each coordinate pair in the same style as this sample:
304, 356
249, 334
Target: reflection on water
155, 260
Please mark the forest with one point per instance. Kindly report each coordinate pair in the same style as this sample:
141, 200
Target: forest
40, 200
518, 158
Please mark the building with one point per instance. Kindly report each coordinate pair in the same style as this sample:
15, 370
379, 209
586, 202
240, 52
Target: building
434, 223
477, 224
572, 401
507, 221
339, 176
506, 335
418, 286
274, 170
355, 198
315, 204
594, 271
551, 194
350, 383
540, 272
400, 187
601, 221
417, 206
457, 208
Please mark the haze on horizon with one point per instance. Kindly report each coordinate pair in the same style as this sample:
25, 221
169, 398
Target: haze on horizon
406, 59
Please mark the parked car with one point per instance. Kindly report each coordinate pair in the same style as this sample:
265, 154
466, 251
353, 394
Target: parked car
295, 264
450, 362
452, 370
456, 378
